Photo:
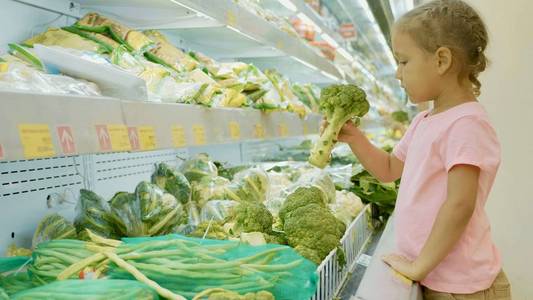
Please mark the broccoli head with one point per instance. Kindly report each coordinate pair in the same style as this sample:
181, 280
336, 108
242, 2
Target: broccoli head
251, 217
301, 197
339, 103
313, 230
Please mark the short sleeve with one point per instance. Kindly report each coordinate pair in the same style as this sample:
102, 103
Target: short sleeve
400, 150
470, 141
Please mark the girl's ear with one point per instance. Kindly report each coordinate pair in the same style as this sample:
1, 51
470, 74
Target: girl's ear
443, 60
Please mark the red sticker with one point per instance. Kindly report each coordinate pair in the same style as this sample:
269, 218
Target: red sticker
103, 137
133, 135
66, 139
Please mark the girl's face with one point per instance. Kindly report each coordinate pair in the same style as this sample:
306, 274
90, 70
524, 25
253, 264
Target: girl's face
417, 69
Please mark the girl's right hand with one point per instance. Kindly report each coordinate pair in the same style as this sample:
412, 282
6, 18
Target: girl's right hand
349, 132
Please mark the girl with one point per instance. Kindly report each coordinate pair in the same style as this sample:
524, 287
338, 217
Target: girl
447, 159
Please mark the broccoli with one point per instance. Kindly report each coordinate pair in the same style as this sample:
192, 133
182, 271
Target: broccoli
173, 182
400, 116
250, 217
309, 226
338, 103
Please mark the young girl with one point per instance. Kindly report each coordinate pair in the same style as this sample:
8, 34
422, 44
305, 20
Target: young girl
447, 159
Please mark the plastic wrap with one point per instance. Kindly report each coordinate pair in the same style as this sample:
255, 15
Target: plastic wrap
210, 188
53, 227
346, 207
250, 185
321, 179
341, 176
22, 77
172, 181
126, 214
198, 167
217, 210
92, 212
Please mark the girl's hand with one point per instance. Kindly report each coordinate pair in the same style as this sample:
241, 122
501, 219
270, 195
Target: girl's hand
349, 132
403, 266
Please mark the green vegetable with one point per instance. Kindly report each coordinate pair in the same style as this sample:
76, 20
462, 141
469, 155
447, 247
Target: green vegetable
250, 217
198, 167
210, 188
249, 185
93, 214
126, 214
400, 116
15, 282
214, 231
309, 226
172, 181
161, 213
222, 294
371, 190
338, 103
25, 55
53, 227
89, 290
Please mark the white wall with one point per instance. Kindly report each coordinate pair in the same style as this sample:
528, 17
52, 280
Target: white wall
507, 93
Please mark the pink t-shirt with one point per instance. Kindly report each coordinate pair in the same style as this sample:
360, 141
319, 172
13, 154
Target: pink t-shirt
432, 145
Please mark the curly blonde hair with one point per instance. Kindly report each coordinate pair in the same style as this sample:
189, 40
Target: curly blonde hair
452, 24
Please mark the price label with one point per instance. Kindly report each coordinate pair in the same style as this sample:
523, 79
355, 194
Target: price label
306, 129
279, 44
178, 136
259, 131
36, 140
231, 18
234, 130
118, 134
198, 133
283, 130
147, 139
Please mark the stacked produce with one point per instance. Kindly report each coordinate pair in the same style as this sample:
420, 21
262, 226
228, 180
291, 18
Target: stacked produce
171, 75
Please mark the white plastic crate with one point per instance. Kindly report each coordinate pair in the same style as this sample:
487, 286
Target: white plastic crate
331, 276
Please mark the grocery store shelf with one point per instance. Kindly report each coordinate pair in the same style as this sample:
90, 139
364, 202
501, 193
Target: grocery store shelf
223, 28
39, 125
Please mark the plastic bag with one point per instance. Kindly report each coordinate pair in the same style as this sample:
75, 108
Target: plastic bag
217, 210
172, 181
53, 227
341, 176
210, 188
92, 212
126, 214
249, 185
321, 179
22, 77
90, 290
198, 167
161, 213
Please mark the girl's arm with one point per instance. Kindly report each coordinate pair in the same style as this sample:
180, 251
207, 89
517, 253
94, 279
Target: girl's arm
451, 222
382, 165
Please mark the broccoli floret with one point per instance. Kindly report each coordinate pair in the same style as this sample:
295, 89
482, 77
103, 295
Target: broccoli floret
339, 103
275, 237
251, 217
301, 197
400, 116
313, 230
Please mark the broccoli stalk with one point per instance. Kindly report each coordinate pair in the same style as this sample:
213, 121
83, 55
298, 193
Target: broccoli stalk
339, 103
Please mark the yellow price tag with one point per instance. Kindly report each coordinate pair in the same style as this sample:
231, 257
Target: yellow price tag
120, 140
234, 130
279, 45
306, 129
147, 139
231, 18
36, 140
283, 130
4, 67
198, 133
178, 136
259, 131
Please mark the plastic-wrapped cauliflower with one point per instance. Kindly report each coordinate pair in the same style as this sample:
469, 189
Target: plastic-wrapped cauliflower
173, 182
346, 207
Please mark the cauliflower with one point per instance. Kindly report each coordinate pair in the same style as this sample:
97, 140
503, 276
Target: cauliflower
339, 103
346, 207
309, 226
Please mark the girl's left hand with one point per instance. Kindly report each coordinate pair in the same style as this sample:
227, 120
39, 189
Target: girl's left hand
403, 266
